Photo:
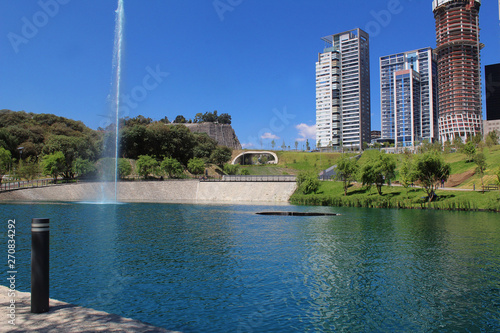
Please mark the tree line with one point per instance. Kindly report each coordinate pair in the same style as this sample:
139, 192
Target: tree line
428, 169
31, 144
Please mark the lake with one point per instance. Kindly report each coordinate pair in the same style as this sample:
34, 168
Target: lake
222, 268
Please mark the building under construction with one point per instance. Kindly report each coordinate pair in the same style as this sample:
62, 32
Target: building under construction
459, 71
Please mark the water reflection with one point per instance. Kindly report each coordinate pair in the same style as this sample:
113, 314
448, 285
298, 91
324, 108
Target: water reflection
225, 269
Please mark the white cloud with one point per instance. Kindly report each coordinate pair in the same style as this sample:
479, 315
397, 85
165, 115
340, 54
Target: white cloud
306, 132
269, 136
247, 145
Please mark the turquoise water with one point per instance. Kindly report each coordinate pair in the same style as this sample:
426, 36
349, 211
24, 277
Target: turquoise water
203, 268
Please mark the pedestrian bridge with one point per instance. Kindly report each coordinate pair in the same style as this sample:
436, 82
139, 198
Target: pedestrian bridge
256, 157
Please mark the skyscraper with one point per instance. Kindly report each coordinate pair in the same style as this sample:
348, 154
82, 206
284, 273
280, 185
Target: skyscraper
459, 71
343, 91
409, 111
492, 74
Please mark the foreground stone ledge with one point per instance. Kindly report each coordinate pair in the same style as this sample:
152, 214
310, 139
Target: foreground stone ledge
64, 317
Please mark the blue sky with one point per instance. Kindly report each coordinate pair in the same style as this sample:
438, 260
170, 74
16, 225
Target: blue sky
253, 59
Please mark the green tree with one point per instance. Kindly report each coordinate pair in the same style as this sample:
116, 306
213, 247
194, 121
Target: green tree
5, 160
198, 118
458, 143
447, 147
180, 119
273, 144
308, 182
54, 164
83, 167
283, 145
296, 144
124, 168
407, 172
146, 165
231, 169
431, 170
204, 146
29, 169
308, 147
481, 166
378, 170
491, 139
346, 171
172, 167
224, 118
470, 150
221, 155
196, 166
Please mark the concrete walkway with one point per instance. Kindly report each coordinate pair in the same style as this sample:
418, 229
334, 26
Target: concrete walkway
64, 317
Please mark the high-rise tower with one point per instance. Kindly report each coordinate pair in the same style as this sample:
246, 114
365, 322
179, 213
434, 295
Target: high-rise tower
408, 97
343, 91
459, 72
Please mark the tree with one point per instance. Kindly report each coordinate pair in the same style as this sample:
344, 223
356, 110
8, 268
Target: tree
491, 139
346, 171
221, 155
180, 119
224, 118
146, 165
29, 169
308, 147
431, 170
480, 161
458, 143
283, 145
273, 143
172, 167
407, 173
296, 144
308, 182
470, 150
198, 118
205, 145
165, 120
83, 167
5, 160
231, 169
54, 164
378, 170
196, 166
124, 168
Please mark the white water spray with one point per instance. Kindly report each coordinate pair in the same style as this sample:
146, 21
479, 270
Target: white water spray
117, 67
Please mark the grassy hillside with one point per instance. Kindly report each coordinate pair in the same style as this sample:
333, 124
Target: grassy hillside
331, 194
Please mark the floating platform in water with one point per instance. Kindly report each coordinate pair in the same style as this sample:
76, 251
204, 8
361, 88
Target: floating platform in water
297, 214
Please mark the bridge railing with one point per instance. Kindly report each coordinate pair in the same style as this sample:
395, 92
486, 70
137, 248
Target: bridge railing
283, 178
23, 184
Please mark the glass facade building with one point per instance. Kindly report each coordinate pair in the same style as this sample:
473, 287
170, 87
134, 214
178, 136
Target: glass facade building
492, 75
408, 97
343, 91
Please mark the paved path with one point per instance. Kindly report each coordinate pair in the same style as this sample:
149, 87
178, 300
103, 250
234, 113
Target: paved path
64, 317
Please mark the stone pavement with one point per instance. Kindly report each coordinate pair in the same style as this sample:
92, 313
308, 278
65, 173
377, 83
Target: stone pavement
64, 317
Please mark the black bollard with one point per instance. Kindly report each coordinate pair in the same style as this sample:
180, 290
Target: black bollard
40, 265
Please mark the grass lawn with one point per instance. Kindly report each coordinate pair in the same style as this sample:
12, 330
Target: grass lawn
332, 194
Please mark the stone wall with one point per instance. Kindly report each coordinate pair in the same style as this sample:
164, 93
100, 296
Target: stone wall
190, 191
222, 133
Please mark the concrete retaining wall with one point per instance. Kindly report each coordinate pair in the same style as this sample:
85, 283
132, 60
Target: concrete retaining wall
191, 191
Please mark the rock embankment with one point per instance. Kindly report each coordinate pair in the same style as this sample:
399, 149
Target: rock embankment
222, 133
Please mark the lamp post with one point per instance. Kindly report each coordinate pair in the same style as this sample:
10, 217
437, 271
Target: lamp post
20, 152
